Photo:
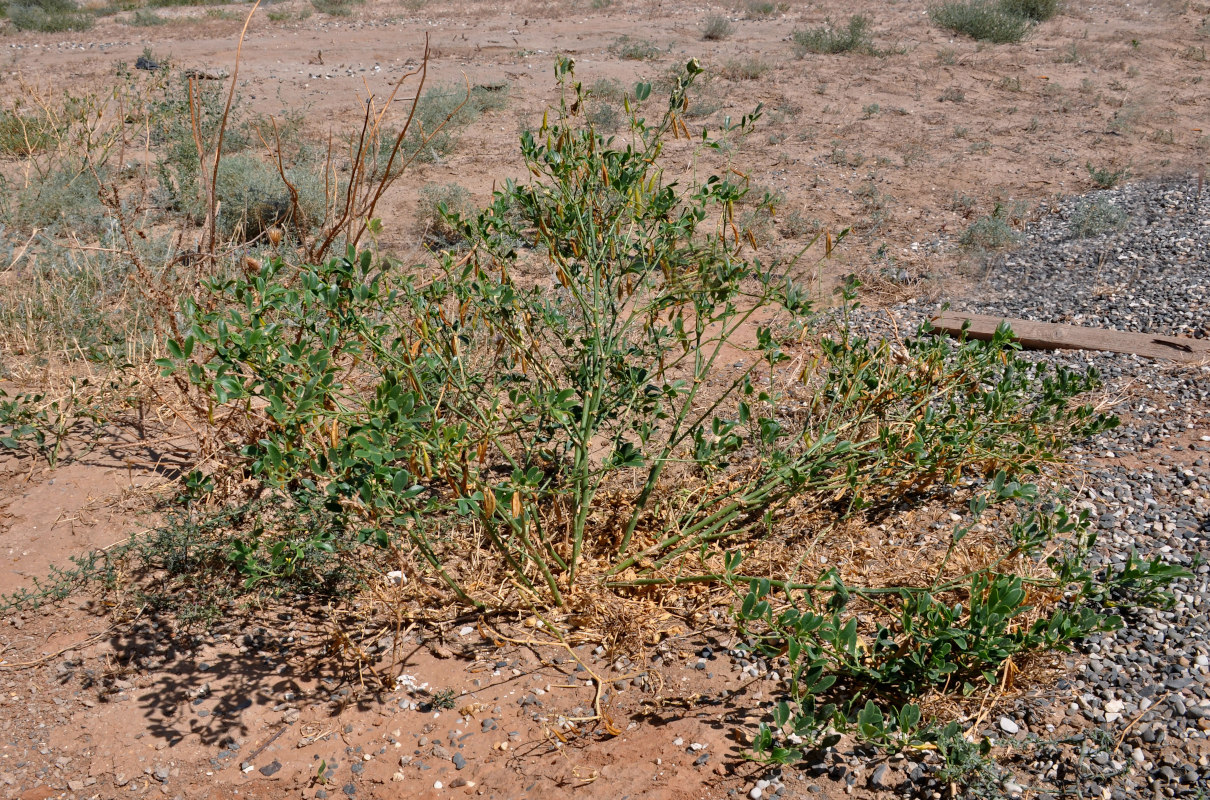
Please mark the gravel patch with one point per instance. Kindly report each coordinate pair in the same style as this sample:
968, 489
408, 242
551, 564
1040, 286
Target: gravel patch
1146, 484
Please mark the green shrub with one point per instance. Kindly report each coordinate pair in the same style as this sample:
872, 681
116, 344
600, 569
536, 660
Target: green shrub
49, 16
716, 28
981, 19
1106, 177
992, 232
830, 39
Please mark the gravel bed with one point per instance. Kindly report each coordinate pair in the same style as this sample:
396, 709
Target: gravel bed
1146, 267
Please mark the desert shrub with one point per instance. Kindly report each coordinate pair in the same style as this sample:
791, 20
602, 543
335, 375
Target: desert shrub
1095, 216
981, 19
336, 8
483, 402
1037, 10
748, 69
716, 28
630, 49
442, 112
830, 39
254, 198
65, 197
49, 16
145, 18
762, 9
992, 232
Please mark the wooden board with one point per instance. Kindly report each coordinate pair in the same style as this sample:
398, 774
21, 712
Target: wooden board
1049, 336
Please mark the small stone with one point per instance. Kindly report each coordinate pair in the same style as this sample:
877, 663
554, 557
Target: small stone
459, 761
1008, 726
271, 769
756, 793
878, 779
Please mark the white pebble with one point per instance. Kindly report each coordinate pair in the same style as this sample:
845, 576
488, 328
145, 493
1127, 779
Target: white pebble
755, 794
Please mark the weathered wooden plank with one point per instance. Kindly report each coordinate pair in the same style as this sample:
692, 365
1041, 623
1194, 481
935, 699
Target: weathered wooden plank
1051, 336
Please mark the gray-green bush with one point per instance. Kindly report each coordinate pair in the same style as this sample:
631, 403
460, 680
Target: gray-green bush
981, 19
49, 16
830, 38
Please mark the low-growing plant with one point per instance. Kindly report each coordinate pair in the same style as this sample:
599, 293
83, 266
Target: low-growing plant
984, 20
830, 38
1106, 177
49, 16
762, 9
630, 49
993, 232
145, 18
336, 8
1095, 216
748, 69
716, 27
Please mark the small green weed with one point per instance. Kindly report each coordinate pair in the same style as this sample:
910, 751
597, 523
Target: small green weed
830, 39
444, 699
1106, 177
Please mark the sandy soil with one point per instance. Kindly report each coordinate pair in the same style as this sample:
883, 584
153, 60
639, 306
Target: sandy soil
890, 145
